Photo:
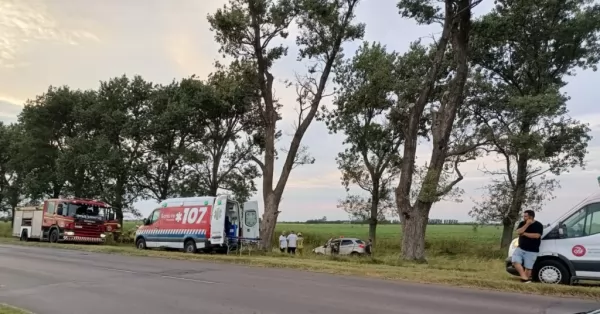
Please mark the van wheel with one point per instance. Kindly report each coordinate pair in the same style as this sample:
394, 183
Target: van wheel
189, 246
140, 244
551, 272
24, 236
53, 237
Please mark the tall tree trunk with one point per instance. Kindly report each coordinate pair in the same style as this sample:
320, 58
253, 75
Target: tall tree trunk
415, 218
508, 228
414, 226
56, 190
518, 198
269, 221
118, 203
374, 210
267, 227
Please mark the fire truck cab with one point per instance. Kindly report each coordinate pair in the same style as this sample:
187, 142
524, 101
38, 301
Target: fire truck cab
62, 220
205, 223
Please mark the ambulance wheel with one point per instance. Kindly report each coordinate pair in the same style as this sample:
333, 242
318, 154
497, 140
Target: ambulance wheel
140, 244
53, 237
190, 246
24, 236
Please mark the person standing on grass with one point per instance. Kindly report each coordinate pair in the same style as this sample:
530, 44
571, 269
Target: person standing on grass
300, 245
282, 242
369, 247
292, 240
530, 237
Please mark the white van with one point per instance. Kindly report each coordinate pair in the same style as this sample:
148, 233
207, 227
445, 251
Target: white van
570, 248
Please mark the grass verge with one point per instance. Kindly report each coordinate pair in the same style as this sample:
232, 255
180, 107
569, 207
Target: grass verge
447, 270
7, 309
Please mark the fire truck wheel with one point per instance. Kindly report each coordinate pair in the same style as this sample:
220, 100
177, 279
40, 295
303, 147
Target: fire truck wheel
190, 246
140, 244
53, 238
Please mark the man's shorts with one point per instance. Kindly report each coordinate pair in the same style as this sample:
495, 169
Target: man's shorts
525, 258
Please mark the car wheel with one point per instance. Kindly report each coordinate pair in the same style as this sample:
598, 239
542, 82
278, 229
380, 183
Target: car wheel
140, 244
189, 246
551, 272
53, 237
355, 254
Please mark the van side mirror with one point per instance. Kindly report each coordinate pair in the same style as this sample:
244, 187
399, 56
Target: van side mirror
111, 216
146, 222
59, 210
561, 232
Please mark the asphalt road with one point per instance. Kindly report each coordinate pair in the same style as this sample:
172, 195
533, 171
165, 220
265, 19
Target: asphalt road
51, 281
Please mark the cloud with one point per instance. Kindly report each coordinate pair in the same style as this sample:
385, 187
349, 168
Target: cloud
22, 22
326, 180
9, 111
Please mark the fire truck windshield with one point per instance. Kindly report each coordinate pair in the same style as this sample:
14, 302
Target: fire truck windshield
84, 209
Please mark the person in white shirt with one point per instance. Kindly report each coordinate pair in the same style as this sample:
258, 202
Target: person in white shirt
292, 239
282, 242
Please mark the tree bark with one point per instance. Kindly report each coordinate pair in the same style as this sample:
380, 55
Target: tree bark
374, 210
518, 199
415, 217
118, 203
508, 228
269, 221
414, 226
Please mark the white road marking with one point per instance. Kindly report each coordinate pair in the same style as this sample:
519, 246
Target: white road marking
189, 279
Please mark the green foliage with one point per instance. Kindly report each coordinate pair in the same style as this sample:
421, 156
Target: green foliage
177, 114
130, 139
524, 50
362, 108
222, 160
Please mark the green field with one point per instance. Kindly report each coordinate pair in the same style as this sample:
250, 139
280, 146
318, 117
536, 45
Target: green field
444, 240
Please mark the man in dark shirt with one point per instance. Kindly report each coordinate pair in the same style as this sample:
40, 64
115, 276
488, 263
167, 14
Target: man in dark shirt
530, 237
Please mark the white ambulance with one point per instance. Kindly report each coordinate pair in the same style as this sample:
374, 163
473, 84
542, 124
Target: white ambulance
570, 247
205, 223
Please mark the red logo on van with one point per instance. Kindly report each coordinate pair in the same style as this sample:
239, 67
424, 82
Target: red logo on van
578, 250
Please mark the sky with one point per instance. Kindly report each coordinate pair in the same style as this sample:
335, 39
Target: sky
80, 43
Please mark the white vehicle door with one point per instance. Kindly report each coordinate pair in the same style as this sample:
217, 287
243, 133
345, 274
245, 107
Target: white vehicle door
346, 247
580, 240
251, 228
217, 221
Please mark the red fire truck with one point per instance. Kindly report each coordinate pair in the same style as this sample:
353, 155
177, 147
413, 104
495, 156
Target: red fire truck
111, 224
62, 220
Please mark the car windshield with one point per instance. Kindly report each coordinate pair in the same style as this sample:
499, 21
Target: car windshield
84, 209
359, 241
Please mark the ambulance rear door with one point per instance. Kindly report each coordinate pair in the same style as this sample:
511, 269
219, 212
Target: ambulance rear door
250, 222
217, 221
